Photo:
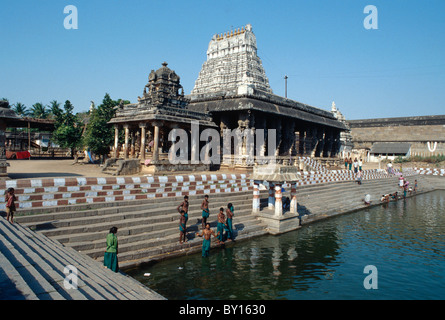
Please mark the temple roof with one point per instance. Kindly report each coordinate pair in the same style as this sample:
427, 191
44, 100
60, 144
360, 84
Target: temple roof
162, 101
272, 104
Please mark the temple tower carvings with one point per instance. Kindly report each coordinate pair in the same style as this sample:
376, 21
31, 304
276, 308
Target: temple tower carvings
232, 66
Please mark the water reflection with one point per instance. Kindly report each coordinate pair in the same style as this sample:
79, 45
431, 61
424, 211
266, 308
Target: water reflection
405, 240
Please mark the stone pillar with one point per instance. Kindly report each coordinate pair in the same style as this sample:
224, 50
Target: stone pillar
279, 136
278, 202
329, 137
303, 141
194, 143
250, 139
262, 152
225, 142
127, 137
133, 141
156, 141
256, 196
320, 140
271, 200
313, 141
293, 202
116, 141
300, 141
142, 126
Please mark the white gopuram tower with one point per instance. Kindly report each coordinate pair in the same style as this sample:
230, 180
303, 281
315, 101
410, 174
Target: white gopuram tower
233, 66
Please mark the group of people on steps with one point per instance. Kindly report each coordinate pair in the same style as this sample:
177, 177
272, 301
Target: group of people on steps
224, 231
224, 228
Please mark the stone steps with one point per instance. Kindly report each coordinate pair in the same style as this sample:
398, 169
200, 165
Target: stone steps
351, 198
104, 190
155, 206
44, 193
148, 231
34, 266
150, 226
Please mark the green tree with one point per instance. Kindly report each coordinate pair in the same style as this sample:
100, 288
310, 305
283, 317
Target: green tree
56, 111
68, 128
99, 135
39, 111
20, 109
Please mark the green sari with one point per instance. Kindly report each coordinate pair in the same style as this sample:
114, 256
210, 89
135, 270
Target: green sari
110, 256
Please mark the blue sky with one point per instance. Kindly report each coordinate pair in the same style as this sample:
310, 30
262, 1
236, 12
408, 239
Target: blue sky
323, 47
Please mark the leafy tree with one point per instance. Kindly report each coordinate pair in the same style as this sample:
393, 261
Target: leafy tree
68, 128
99, 135
20, 109
39, 111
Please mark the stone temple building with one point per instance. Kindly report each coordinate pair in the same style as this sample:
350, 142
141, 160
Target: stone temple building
232, 92
233, 87
147, 123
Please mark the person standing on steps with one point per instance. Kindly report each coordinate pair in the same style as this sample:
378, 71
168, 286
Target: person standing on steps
220, 226
359, 177
182, 228
10, 199
110, 256
355, 166
205, 210
185, 207
230, 212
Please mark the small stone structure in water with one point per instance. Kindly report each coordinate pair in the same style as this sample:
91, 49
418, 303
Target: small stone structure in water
276, 216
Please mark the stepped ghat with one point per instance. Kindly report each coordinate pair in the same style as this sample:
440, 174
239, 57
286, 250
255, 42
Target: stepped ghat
54, 228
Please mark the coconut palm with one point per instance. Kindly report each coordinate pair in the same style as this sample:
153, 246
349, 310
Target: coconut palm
55, 110
39, 111
20, 109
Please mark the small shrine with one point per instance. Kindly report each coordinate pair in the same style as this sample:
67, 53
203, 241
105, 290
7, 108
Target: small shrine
275, 215
147, 123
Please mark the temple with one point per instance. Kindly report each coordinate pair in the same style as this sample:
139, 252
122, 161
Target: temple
232, 85
232, 92
147, 123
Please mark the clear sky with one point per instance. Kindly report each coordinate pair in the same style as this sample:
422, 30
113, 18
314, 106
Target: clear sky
323, 47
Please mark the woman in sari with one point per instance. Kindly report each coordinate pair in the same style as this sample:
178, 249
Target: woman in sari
110, 257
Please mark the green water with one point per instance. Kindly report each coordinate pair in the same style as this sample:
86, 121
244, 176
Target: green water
404, 240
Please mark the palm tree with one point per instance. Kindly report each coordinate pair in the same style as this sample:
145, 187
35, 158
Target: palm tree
20, 109
39, 111
54, 109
